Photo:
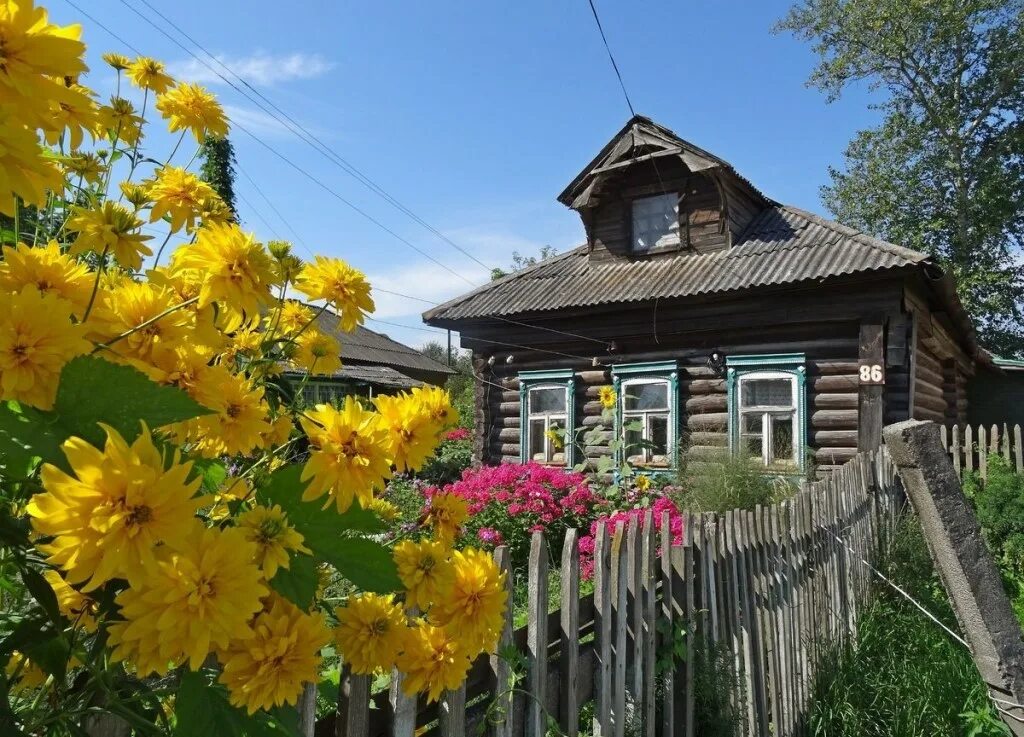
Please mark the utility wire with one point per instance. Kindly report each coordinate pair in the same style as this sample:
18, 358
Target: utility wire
273, 207
611, 56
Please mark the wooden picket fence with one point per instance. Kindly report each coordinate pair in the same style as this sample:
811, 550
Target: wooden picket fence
971, 447
768, 589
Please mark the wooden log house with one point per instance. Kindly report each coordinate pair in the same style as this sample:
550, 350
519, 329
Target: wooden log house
723, 319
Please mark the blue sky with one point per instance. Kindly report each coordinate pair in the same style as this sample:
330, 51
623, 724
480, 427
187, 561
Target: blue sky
476, 114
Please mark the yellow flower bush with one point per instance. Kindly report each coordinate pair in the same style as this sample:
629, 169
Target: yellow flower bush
172, 504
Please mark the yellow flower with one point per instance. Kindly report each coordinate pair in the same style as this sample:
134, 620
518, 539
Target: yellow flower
149, 74
473, 607
317, 353
446, 514
77, 114
371, 632
119, 62
107, 519
119, 121
607, 396
76, 606
35, 57
235, 271
642, 483
270, 668
24, 171
411, 432
437, 404
556, 436
268, 529
86, 165
190, 107
348, 454
433, 661
294, 317
335, 281
194, 600
179, 194
36, 339
246, 341
384, 509
239, 416
280, 430
49, 271
112, 228
23, 673
424, 570
136, 194
128, 306
288, 265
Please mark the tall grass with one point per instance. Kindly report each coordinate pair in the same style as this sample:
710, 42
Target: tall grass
903, 676
725, 482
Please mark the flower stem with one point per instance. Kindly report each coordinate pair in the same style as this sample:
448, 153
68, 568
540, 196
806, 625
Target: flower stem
96, 283
160, 251
145, 324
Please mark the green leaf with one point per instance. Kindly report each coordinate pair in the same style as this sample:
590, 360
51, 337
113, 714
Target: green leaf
212, 471
28, 435
365, 563
298, 582
94, 390
42, 592
202, 710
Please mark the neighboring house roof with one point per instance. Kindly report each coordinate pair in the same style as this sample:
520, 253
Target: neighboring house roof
364, 346
376, 375
781, 245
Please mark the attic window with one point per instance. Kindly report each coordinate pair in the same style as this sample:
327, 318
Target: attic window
655, 222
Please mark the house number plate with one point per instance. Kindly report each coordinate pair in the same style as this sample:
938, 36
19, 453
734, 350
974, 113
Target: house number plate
872, 374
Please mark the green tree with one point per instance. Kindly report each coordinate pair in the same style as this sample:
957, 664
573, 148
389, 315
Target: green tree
459, 385
944, 171
520, 262
218, 169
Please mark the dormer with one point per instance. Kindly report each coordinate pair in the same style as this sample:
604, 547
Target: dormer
649, 192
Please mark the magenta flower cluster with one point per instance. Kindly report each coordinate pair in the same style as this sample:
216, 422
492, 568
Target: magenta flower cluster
659, 507
457, 433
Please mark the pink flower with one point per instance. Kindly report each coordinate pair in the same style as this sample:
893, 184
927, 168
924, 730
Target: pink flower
458, 433
489, 536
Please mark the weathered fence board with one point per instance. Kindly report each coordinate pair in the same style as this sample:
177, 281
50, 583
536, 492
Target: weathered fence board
971, 447
761, 592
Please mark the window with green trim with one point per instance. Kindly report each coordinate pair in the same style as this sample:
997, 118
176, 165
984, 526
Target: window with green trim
767, 422
647, 414
546, 417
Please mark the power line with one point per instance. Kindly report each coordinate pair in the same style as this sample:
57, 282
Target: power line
310, 138
103, 27
611, 56
271, 205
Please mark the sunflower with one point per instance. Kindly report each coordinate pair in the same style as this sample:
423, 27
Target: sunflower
269, 669
86, 165
107, 518
179, 195
317, 353
411, 432
268, 529
111, 228
425, 571
149, 74
35, 57
80, 609
191, 107
371, 632
234, 270
120, 122
239, 416
433, 661
344, 287
37, 338
445, 515
348, 454
49, 271
194, 600
25, 171
473, 606
607, 396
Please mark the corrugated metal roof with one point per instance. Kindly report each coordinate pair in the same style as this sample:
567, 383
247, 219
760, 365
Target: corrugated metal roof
782, 245
377, 375
366, 346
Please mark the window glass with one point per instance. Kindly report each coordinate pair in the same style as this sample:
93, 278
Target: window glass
646, 396
538, 441
655, 221
782, 439
658, 426
547, 399
766, 392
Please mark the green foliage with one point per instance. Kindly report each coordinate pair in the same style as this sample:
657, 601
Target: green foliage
728, 482
714, 679
903, 676
942, 173
297, 582
450, 459
202, 710
218, 169
520, 262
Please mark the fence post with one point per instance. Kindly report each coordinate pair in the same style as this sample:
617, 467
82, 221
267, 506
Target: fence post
964, 563
500, 667
537, 637
602, 634
569, 649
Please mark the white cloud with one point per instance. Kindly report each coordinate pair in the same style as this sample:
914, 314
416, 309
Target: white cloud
425, 281
259, 68
255, 121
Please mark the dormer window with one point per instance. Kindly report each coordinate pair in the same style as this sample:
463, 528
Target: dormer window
655, 222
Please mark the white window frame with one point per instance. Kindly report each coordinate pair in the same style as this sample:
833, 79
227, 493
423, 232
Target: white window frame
672, 239
647, 457
767, 412
550, 419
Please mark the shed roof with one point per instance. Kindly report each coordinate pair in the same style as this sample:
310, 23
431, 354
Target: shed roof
376, 375
781, 245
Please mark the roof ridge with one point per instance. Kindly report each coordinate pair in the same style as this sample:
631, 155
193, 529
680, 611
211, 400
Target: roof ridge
858, 235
